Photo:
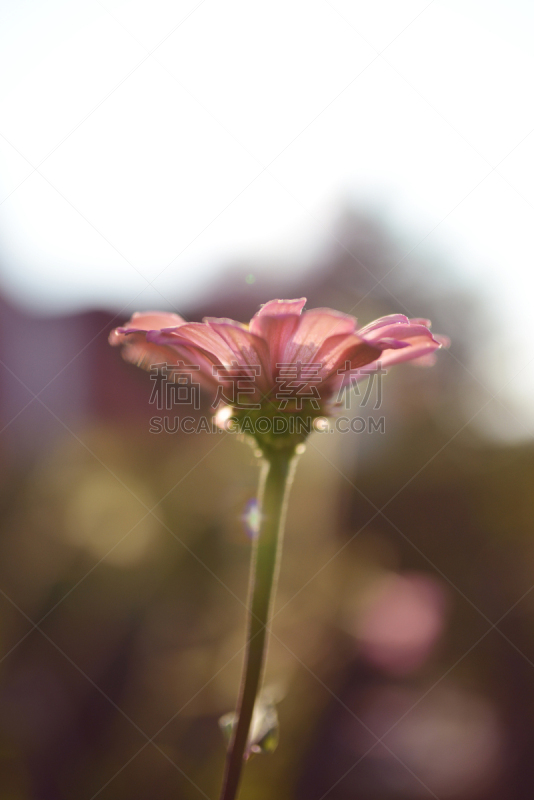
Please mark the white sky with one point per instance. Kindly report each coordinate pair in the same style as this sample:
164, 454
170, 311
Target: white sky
152, 142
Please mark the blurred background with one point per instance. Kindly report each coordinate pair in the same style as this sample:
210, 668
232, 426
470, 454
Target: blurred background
204, 158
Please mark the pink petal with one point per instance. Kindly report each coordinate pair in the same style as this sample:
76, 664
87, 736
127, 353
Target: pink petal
198, 335
391, 319
314, 328
419, 347
443, 340
425, 361
398, 332
133, 336
143, 354
274, 307
247, 349
277, 331
346, 352
143, 321
152, 320
389, 344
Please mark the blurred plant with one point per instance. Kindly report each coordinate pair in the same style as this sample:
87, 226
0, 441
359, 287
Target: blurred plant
278, 375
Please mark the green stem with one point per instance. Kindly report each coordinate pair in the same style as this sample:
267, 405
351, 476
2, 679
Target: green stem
275, 482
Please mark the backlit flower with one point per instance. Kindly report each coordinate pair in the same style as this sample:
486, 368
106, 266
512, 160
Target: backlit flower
284, 358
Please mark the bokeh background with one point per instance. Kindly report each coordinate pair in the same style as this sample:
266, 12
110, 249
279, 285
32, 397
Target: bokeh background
204, 158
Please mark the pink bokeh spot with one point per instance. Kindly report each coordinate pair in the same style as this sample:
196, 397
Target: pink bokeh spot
401, 622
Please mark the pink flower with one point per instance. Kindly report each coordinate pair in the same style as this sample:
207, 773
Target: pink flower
283, 357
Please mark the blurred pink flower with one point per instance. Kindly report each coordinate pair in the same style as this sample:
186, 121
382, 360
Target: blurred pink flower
282, 351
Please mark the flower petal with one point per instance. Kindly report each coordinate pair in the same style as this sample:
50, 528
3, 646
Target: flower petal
399, 333
277, 331
314, 328
345, 353
198, 335
133, 336
275, 307
391, 319
419, 346
248, 350
144, 354
418, 350
444, 341
152, 320
421, 321
145, 321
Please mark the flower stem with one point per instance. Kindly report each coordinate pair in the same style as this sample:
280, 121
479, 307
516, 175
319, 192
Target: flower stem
275, 481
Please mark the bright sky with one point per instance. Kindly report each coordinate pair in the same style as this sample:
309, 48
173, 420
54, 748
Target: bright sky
150, 142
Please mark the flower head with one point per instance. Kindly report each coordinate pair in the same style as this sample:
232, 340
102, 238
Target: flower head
284, 359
